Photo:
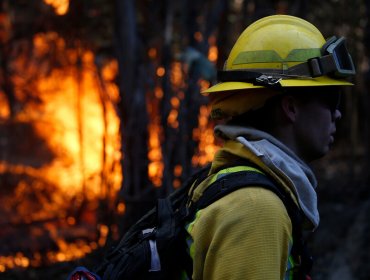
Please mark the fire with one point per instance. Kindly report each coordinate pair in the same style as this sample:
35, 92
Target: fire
4, 107
60, 6
161, 71
213, 49
204, 134
76, 118
177, 83
155, 167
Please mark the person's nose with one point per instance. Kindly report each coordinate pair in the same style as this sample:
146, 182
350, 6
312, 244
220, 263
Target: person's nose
337, 115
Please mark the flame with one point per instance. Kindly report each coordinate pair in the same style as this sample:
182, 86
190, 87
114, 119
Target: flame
177, 83
65, 138
204, 134
161, 71
4, 107
213, 49
60, 6
155, 167
121, 208
73, 104
73, 121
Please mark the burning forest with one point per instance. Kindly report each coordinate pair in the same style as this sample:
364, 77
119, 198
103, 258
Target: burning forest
61, 153
100, 114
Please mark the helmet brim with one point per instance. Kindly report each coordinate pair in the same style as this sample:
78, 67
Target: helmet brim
314, 82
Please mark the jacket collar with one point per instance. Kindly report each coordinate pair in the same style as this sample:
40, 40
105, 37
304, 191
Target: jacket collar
274, 158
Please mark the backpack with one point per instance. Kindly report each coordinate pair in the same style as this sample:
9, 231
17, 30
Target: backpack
155, 248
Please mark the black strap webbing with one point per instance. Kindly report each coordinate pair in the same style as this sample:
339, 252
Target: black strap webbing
237, 180
237, 75
241, 179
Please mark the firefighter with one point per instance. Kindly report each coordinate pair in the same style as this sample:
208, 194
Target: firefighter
278, 98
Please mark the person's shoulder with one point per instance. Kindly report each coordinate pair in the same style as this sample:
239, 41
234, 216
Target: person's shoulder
246, 210
253, 202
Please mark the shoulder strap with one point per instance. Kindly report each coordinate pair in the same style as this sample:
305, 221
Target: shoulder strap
234, 181
241, 179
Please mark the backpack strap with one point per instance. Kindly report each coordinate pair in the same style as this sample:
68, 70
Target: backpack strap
230, 182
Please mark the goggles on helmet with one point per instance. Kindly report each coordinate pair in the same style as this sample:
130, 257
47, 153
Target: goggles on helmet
335, 61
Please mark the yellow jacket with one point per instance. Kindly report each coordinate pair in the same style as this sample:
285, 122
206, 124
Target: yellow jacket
246, 234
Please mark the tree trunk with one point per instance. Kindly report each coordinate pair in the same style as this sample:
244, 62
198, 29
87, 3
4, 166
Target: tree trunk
134, 118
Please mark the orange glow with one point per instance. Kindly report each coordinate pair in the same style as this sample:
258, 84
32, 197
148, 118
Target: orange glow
110, 70
71, 221
172, 118
204, 134
177, 77
161, 71
67, 252
213, 50
4, 107
104, 230
204, 85
64, 138
175, 102
76, 118
176, 183
60, 6
177, 83
152, 53
198, 36
121, 208
178, 170
213, 53
155, 167
158, 92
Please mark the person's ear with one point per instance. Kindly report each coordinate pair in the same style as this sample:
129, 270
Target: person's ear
289, 107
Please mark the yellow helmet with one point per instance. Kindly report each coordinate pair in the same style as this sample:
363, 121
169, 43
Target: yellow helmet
273, 52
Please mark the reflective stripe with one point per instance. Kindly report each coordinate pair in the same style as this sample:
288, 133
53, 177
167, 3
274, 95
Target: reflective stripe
266, 56
216, 176
289, 272
228, 170
189, 229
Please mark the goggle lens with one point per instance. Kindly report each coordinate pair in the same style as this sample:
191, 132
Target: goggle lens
342, 59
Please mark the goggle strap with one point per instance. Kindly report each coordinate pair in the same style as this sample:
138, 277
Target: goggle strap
237, 75
327, 64
315, 67
256, 78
